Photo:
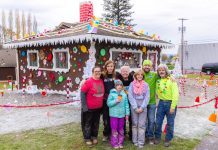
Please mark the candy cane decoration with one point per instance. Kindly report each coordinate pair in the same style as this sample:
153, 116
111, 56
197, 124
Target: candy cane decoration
205, 88
68, 89
23, 84
215, 88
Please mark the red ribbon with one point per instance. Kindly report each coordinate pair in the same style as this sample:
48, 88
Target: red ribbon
216, 103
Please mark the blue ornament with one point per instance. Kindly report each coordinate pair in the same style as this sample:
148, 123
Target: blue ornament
23, 53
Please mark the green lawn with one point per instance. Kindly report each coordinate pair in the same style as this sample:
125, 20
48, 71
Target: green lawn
194, 76
69, 137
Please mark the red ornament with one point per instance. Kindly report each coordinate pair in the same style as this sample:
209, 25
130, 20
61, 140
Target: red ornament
197, 99
43, 93
52, 76
50, 56
165, 129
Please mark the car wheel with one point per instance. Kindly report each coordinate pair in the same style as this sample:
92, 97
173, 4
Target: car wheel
208, 72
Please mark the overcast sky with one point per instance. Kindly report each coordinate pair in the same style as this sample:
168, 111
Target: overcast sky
154, 16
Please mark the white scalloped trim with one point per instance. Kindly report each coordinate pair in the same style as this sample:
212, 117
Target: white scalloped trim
89, 37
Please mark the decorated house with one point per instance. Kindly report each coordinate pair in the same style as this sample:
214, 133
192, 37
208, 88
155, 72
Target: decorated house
62, 58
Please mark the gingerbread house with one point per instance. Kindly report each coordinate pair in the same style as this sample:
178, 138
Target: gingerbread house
62, 58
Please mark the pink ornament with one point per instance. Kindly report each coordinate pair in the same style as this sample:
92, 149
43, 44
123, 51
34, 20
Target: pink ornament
39, 73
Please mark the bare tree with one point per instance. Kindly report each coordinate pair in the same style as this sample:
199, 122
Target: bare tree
3, 25
23, 24
10, 22
35, 25
17, 24
29, 24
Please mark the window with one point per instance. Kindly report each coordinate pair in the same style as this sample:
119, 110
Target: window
61, 60
121, 57
32, 59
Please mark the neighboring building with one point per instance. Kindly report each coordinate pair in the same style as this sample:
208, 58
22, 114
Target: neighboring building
195, 55
70, 52
7, 64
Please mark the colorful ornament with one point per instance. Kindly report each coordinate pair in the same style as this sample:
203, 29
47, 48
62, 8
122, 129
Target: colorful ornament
50, 57
39, 73
75, 50
52, 77
60, 79
43, 93
102, 52
83, 49
144, 49
23, 53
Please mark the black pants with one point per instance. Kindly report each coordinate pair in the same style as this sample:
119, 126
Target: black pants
90, 124
106, 119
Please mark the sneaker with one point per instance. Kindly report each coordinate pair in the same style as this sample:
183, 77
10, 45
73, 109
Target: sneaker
167, 143
121, 146
88, 143
136, 144
157, 141
151, 142
95, 141
104, 138
140, 146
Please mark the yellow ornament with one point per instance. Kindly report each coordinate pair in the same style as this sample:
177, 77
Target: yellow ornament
144, 49
83, 49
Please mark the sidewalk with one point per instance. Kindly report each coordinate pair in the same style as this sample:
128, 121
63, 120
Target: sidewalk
210, 142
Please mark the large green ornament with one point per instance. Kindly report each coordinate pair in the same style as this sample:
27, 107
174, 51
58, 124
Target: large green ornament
103, 52
60, 79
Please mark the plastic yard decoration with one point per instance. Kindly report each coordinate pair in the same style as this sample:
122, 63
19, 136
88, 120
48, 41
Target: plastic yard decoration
213, 117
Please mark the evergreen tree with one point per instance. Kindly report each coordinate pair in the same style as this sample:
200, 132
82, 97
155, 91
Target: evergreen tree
120, 10
17, 24
23, 24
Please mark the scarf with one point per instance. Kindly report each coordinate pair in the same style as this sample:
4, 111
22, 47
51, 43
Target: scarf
138, 87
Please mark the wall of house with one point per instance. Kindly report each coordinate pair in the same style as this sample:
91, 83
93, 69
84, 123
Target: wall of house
41, 76
43, 80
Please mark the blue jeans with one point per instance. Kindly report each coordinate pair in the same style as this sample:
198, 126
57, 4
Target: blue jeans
162, 110
150, 121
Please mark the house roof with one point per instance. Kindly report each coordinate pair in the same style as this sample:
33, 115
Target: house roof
69, 32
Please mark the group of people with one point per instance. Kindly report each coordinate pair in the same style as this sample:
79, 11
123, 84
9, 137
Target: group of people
142, 99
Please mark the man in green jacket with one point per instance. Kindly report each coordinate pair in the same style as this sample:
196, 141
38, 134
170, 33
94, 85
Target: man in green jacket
151, 78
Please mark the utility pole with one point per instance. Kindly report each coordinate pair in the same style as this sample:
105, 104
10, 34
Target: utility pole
182, 42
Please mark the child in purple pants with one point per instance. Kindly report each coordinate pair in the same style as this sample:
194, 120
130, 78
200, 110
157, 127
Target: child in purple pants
118, 110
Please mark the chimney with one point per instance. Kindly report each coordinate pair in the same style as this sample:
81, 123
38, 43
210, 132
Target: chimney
86, 11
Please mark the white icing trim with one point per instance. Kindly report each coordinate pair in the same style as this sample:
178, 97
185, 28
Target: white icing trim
151, 52
88, 37
54, 60
125, 50
28, 59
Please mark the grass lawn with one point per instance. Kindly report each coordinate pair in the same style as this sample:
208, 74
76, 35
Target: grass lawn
69, 137
194, 76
